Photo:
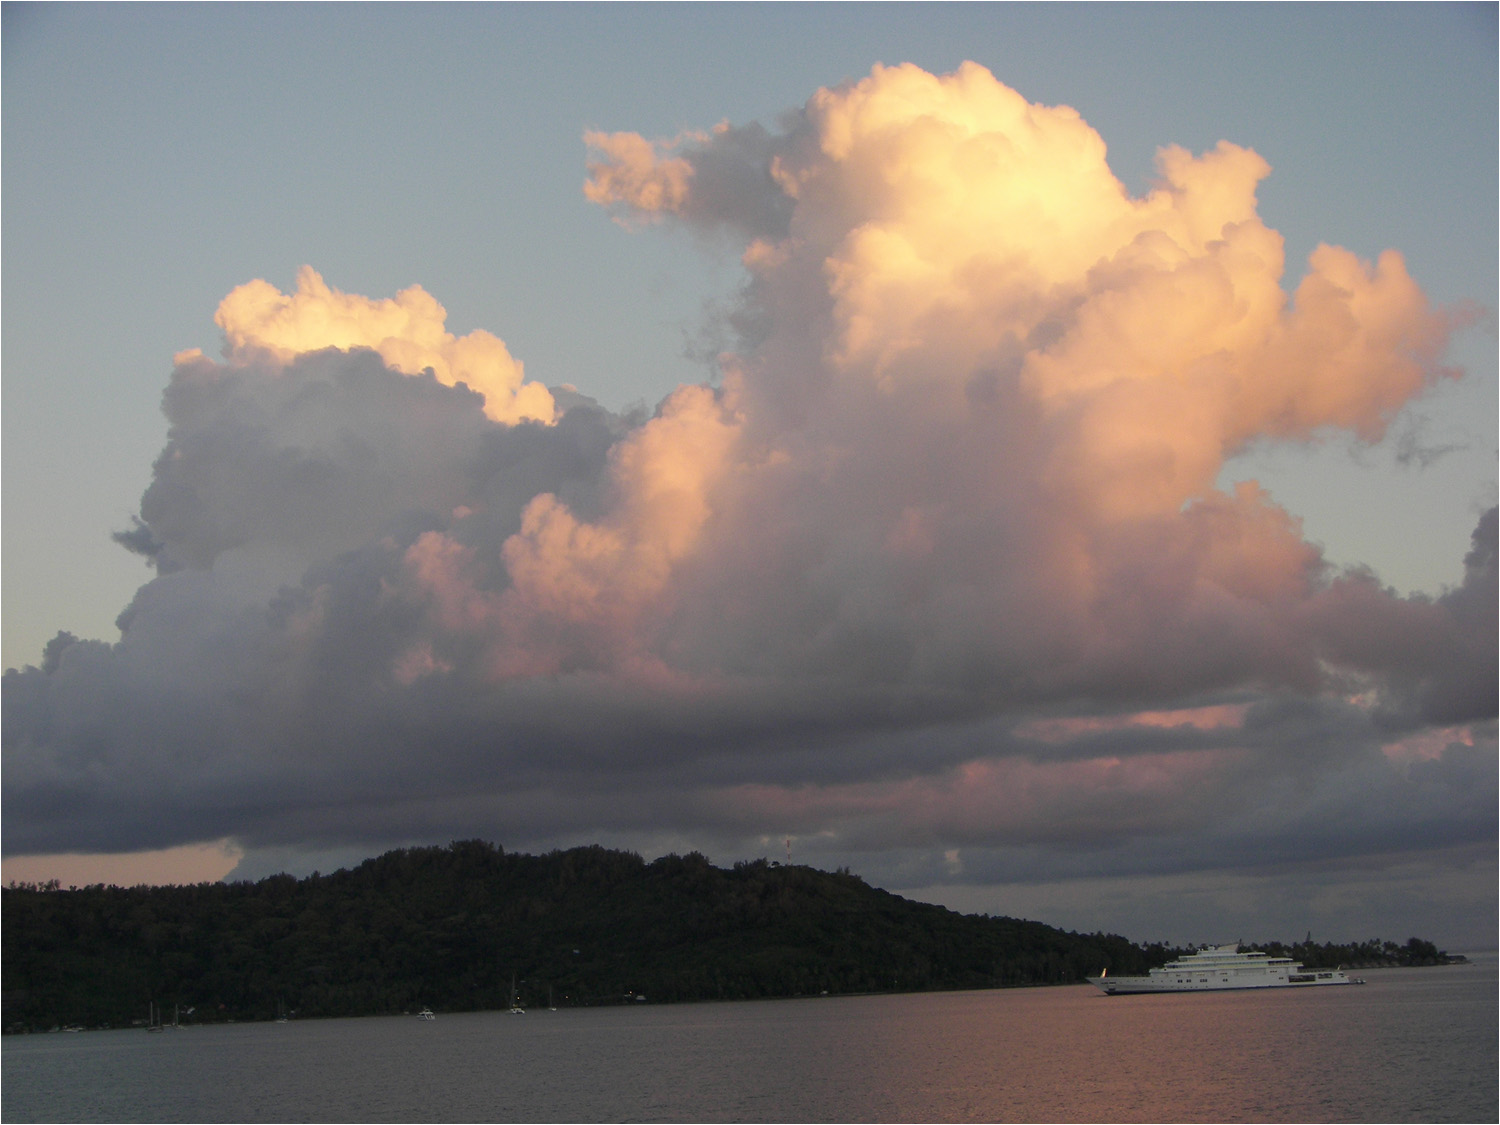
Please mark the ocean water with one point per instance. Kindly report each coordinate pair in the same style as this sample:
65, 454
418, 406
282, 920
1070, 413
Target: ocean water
1411, 1045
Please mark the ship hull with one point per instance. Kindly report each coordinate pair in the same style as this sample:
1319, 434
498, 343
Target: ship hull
1127, 986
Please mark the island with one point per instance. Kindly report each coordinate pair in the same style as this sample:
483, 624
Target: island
471, 927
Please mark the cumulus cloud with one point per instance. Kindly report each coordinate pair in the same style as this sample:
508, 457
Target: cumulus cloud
936, 568
406, 330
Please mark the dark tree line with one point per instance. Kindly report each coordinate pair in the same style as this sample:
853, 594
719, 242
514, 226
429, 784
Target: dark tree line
456, 928
1359, 955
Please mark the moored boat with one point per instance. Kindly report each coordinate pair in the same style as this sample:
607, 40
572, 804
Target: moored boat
516, 1007
1222, 967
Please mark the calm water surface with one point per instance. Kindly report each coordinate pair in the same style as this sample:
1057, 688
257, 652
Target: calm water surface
1412, 1045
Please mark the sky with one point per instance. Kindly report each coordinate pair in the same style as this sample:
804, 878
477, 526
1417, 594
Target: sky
1040, 457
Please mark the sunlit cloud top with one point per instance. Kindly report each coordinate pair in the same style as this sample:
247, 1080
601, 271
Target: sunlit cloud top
407, 330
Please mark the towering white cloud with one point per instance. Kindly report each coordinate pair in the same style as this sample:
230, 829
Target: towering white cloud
936, 562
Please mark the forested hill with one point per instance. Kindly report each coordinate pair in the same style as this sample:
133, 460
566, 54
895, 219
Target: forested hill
451, 927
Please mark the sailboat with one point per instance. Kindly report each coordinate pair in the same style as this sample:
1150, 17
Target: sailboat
153, 1023
515, 999
551, 1007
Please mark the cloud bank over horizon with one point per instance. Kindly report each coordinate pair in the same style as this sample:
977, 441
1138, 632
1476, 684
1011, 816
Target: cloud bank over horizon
933, 571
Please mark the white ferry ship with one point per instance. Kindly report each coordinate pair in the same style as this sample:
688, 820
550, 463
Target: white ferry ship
1221, 967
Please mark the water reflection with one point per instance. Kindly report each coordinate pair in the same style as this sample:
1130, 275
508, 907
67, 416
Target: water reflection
1414, 1044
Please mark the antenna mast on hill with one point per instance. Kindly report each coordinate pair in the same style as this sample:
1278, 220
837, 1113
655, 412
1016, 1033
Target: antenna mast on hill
788, 851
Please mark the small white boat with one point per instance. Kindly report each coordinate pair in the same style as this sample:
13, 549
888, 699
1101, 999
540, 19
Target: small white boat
426, 1014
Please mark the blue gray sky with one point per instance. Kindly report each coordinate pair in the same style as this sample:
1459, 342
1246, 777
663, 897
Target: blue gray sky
844, 625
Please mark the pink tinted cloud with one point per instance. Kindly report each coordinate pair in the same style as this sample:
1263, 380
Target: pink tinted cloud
1065, 729
994, 801
1428, 745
